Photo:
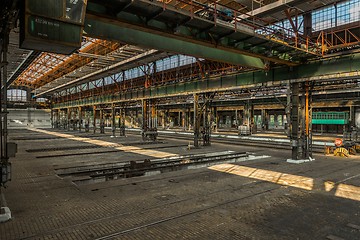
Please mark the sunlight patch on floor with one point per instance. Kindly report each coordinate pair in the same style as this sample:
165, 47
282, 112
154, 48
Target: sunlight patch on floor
340, 189
120, 147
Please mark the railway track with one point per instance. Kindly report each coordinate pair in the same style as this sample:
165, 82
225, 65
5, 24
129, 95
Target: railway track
148, 167
187, 200
239, 141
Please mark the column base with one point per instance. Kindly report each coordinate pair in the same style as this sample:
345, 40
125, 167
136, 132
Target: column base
300, 160
5, 214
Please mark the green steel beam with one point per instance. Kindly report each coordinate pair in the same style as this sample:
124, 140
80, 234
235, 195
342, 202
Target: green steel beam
331, 69
104, 28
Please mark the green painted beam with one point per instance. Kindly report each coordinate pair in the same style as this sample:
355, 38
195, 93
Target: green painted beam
104, 28
337, 68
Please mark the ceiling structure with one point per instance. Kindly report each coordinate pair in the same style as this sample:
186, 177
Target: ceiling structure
49, 72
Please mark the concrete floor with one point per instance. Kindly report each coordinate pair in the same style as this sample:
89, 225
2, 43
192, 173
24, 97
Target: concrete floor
265, 198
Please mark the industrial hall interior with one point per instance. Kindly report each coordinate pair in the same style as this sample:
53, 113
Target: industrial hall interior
180, 119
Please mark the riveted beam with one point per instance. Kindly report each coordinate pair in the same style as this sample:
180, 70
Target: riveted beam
118, 30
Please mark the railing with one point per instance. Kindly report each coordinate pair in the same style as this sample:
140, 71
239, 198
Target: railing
338, 39
224, 15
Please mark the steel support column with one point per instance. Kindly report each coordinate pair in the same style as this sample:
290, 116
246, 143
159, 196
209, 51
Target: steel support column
307, 129
87, 121
248, 120
196, 120
149, 120
183, 119
216, 120
122, 116
294, 115
113, 122
74, 119
206, 121
102, 122
300, 128
263, 119
80, 118
94, 119
52, 117
202, 112
68, 117
5, 166
56, 118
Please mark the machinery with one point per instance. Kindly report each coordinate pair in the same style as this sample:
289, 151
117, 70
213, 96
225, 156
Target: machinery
349, 145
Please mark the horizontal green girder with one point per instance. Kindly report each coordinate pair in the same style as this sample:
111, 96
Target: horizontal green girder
336, 69
104, 28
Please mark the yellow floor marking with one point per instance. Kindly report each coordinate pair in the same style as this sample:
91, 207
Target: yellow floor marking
130, 149
341, 190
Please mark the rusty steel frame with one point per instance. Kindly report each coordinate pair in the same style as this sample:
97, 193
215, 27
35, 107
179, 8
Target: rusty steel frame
287, 37
49, 66
338, 38
191, 71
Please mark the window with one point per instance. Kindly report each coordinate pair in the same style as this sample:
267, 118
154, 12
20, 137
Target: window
16, 95
336, 15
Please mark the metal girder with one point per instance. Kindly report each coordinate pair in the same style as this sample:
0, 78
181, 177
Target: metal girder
270, 8
104, 28
330, 70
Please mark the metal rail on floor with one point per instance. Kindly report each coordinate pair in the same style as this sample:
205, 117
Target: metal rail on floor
139, 168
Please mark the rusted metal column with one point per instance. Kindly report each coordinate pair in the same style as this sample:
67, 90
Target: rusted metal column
80, 118
196, 120
207, 121
68, 112
149, 119
94, 119
122, 121
102, 122
113, 123
87, 121
294, 115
